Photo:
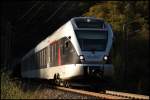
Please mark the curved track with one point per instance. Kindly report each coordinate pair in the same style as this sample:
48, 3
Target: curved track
106, 95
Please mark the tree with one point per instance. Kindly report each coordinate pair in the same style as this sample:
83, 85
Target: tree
118, 13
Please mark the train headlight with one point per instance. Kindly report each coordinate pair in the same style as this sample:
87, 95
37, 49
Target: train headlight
105, 57
88, 20
81, 57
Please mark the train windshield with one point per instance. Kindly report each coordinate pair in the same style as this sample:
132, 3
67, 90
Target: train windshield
92, 39
89, 23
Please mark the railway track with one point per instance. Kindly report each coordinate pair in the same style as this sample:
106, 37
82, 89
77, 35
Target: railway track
103, 94
106, 95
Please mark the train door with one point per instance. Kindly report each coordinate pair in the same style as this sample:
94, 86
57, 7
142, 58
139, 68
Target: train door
69, 54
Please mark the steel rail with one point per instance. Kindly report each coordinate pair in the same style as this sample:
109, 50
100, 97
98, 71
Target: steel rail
100, 95
128, 95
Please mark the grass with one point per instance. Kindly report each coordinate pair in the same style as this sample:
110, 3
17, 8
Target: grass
12, 88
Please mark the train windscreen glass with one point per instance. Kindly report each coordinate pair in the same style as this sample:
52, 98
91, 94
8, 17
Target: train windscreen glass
89, 23
92, 39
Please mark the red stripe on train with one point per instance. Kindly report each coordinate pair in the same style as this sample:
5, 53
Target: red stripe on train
59, 57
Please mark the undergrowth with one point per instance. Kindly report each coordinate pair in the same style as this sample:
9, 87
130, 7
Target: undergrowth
11, 88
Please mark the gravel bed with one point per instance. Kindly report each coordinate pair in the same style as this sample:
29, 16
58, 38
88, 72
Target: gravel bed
58, 94
44, 91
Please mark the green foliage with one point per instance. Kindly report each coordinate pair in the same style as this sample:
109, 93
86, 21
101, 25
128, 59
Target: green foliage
136, 15
9, 90
12, 89
119, 12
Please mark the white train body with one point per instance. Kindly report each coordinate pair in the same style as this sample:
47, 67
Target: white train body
79, 47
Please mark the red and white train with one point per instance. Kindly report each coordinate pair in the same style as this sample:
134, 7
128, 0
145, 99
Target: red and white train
78, 48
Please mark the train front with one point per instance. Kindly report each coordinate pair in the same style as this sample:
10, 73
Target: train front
94, 38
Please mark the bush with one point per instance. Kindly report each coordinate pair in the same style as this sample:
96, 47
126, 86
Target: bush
11, 88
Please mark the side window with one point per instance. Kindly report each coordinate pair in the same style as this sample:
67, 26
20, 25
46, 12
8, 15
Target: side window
31, 62
50, 58
65, 45
56, 52
63, 49
34, 60
52, 53
41, 58
37, 59
44, 56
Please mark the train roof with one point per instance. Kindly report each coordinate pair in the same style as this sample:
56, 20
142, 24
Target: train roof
87, 23
45, 41
77, 22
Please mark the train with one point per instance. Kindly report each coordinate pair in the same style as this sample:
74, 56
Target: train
79, 48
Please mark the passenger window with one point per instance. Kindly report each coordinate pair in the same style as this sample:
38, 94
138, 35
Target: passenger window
66, 44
